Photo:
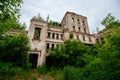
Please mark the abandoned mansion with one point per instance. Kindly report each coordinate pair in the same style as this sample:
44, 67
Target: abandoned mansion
43, 36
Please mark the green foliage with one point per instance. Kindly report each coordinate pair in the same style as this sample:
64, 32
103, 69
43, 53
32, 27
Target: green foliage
5, 68
105, 65
38, 17
71, 73
110, 21
100, 62
53, 23
71, 53
71, 35
14, 48
9, 10
8, 71
42, 69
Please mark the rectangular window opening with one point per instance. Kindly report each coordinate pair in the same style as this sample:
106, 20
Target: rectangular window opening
48, 45
83, 38
78, 21
53, 46
74, 28
77, 36
53, 35
84, 30
57, 36
37, 33
83, 22
48, 35
89, 39
79, 29
61, 36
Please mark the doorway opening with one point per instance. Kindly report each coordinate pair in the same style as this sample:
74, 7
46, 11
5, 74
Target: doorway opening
33, 58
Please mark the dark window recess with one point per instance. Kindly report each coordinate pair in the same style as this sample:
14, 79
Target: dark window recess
37, 33
73, 20
83, 38
83, 22
89, 39
77, 36
61, 36
53, 35
48, 45
79, 29
74, 28
53, 46
48, 35
78, 21
57, 36
85, 30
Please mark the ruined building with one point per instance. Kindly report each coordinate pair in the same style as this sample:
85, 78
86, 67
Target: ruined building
43, 37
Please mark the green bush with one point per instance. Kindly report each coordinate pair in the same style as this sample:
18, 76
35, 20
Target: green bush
42, 69
5, 68
71, 73
69, 54
14, 49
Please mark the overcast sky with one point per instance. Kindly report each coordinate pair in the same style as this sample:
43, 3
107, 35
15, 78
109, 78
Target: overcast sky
94, 10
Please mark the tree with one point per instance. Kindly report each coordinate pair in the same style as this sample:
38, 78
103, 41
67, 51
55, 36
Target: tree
110, 21
9, 15
105, 65
71, 53
9, 10
13, 48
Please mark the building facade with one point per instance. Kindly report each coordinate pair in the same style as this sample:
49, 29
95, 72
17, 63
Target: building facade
43, 37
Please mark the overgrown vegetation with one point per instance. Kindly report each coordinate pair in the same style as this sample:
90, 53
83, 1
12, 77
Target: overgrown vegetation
77, 61
54, 23
110, 22
13, 41
51, 23
69, 54
70, 61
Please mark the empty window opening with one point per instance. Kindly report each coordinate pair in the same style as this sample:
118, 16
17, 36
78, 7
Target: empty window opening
74, 28
85, 30
78, 21
77, 36
79, 29
83, 38
48, 46
83, 22
61, 36
37, 33
89, 39
57, 36
53, 35
53, 46
48, 35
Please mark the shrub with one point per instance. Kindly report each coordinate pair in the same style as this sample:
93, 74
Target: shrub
42, 69
14, 49
71, 73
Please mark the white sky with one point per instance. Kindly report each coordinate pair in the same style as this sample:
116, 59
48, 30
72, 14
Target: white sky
94, 10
